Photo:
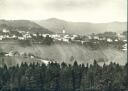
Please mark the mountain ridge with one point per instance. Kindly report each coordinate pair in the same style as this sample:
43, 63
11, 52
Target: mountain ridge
22, 25
57, 25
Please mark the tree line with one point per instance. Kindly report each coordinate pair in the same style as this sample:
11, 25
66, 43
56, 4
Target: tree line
64, 77
38, 40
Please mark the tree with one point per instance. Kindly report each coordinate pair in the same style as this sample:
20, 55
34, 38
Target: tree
77, 72
66, 73
126, 76
53, 76
48, 40
91, 79
67, 77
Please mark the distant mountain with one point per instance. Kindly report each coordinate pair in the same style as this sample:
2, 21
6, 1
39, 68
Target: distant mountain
56, 25
22, 25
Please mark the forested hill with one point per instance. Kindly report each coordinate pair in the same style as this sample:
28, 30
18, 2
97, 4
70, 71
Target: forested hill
56, 25
22, 25
64, 77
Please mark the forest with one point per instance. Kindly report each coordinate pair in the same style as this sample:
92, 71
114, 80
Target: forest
64, 77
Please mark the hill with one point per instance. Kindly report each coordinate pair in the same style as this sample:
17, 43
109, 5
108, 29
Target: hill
56, 25
66, 53
22, 25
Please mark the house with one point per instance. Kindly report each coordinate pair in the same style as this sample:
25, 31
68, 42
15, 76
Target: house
89, 37
116, 40
96, 37
12, 53
21, 32
55, 36
31, 55
125, 40
109, 40
65, 40
21, 38
45, 61
1, 37
27, 35
59, 39
67, 37
9, 54
124, 47
63, 31
14, 36
34, 34
7, 36
44, 35
73, 37
5, 31
82, 42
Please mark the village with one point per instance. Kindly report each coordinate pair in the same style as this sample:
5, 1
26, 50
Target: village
63, 36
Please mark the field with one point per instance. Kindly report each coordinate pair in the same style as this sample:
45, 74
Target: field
67, 53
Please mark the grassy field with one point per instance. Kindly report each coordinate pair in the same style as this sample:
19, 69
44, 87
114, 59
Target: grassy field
61, 53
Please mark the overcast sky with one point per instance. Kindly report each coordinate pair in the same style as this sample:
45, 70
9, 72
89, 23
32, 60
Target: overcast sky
71, 10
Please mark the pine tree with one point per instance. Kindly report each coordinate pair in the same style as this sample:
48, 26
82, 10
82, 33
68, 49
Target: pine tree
126, 76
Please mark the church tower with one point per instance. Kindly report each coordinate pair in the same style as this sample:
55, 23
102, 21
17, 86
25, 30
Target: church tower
63, 31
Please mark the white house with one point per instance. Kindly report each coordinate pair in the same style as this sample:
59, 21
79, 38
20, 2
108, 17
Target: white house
34, 34
1, 37
116, 40
14, 36
27, 36
44, 35
21, 32
124, 47
63, 31
5, 31
65, 40
21, 38
96, 37
45, 61
9, 54
55, 36
73, 37
125, 40
109, 40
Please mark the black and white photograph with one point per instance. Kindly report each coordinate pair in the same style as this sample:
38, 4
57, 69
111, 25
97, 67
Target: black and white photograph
63, 45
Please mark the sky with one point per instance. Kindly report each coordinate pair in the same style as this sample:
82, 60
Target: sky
70, 10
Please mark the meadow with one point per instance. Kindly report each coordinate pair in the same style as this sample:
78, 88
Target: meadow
65, 52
